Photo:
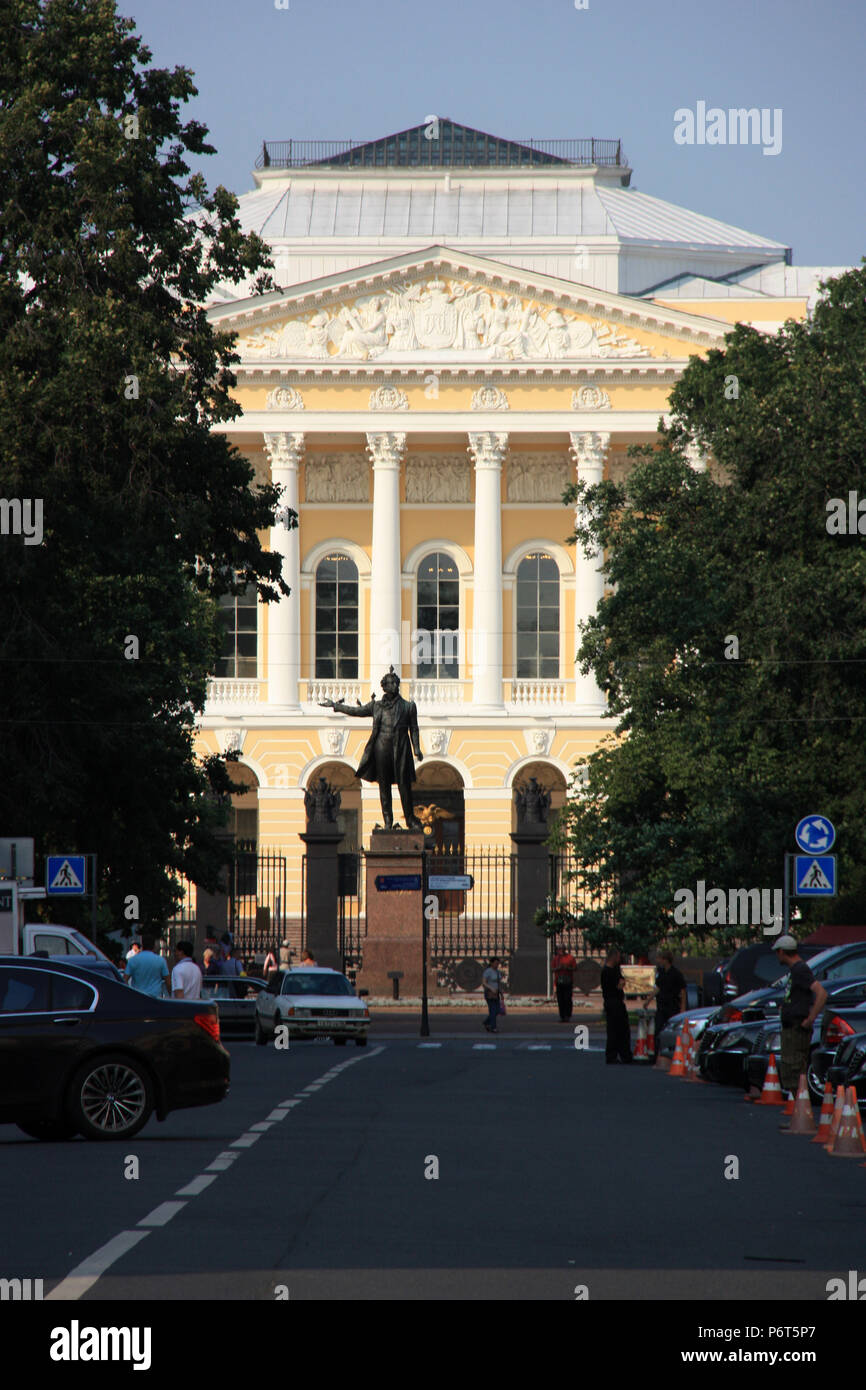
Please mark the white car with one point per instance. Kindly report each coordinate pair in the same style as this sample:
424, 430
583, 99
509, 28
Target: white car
311, 1002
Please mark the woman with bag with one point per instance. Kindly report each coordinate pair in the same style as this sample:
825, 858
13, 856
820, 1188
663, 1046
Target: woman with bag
493, 991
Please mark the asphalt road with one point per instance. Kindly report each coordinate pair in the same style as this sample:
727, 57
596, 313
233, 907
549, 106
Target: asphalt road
554, 1171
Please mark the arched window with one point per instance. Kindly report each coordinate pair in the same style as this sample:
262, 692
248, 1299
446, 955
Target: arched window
239, 615
537, 617
337, 618
436, 641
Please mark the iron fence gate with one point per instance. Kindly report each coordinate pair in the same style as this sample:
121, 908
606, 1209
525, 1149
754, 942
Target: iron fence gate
257, 900
575, 898
478, 923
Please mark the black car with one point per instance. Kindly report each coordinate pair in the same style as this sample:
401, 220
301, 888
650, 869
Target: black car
235, 998
841, 1021
757, 966
724, 1050
84, 1055
849, 1067
841, 995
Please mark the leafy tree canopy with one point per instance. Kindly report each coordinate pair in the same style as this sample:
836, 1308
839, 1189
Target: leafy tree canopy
731, 643
113, 389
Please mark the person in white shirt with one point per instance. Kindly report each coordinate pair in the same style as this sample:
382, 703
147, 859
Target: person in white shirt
186, 976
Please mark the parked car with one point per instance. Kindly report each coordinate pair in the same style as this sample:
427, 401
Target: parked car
235, 998
312, 1002
80, 1054
756, 966
767, 1041
712, 982
849, 1067
724, 1050
698, 1019
841, 994
839, 1023
766, 1003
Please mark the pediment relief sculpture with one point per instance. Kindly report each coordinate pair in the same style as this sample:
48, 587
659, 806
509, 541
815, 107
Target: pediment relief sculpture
537, 477
337, 478
416, 319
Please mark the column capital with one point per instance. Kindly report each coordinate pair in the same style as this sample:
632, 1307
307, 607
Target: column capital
284, 449
488, 449
588, 449
386, 450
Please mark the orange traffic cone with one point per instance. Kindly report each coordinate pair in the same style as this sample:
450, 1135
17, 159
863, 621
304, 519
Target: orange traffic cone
678, 1067
640, 1045
772, 1091
848, 1143
838, 1107
802, 1117
825, 1119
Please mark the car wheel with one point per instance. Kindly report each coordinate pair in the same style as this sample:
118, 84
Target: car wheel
814, 1082
261, 1038
360, 1042
110, 1098
339, 1042
51, 1131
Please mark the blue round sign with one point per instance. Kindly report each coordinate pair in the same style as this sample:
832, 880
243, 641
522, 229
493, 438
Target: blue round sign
815, 834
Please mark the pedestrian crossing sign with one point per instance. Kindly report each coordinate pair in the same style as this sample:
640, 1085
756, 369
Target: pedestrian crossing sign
64, 874
815, 876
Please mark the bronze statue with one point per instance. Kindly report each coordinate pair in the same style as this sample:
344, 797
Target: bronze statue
533, 802
322, 802
387, 757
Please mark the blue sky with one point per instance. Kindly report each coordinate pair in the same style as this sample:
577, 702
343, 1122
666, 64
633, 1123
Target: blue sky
333, 69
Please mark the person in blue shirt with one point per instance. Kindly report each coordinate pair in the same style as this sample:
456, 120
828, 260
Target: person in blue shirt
147, 971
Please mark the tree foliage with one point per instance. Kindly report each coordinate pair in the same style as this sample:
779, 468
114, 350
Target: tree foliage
731, 643
113, 386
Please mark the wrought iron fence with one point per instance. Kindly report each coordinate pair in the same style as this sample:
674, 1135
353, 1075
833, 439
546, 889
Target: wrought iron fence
576, 899
478, 923
257, 899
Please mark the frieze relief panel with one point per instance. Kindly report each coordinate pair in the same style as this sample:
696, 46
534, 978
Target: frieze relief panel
470, 320
537, 477
438, 478
337, 478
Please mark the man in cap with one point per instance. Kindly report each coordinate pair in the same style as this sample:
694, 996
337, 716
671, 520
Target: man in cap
804, 999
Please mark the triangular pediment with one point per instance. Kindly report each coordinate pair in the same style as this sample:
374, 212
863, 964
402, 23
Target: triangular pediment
445, 305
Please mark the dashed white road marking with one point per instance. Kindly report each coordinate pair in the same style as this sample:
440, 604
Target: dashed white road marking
90, 1270
484, 1047
538, 1047
197, 1185
85, 1275
161, 1215
429, 1044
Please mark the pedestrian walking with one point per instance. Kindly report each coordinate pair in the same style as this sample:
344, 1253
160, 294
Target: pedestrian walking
186, 976
308, 959
563, 967
493, 991
803, 1001
618, 1044
211, 962
671, 993
146, 971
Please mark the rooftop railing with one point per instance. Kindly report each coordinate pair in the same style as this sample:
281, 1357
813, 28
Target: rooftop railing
413, 151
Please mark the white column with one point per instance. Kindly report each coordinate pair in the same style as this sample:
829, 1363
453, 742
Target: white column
488, 452
386, 451
284, 629
588, 450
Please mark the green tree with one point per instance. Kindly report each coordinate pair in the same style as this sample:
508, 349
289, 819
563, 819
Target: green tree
732, 643
112, 380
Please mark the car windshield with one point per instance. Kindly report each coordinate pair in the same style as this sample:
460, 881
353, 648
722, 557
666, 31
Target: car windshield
303, 982
87, 947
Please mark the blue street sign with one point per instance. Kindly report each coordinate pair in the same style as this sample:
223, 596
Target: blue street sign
814, 876
815, 834
398, 883
442, 883
65, 874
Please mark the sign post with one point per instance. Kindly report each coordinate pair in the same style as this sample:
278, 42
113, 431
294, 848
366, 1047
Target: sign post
425, 1020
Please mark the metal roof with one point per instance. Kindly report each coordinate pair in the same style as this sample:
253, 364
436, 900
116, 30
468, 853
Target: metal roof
432, 213
439, 142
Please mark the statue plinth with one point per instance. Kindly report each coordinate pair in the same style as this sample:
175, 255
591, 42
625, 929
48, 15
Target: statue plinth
393, 937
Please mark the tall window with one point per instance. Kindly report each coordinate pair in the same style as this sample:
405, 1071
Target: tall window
537, 618
337, 618
438, 618
239, 615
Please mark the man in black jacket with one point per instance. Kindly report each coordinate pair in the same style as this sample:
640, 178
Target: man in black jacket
615, 1012
387, 757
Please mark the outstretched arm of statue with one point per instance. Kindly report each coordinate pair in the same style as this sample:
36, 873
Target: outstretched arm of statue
339, 708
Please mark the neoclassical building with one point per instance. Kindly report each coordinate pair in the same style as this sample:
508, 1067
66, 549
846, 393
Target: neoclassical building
464, 326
